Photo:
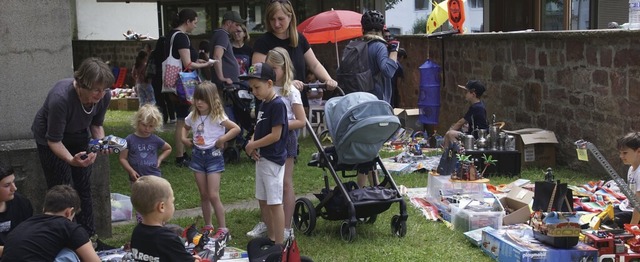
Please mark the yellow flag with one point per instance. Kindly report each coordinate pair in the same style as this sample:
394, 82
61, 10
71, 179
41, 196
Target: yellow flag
438, 16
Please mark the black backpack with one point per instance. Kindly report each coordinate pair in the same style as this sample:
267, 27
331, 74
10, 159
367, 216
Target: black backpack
354, 72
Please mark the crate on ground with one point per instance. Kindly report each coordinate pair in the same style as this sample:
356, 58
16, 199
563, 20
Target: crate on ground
473, 214
439, 186
121, 208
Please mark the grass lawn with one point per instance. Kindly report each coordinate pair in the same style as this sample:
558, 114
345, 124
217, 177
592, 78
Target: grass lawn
424, 241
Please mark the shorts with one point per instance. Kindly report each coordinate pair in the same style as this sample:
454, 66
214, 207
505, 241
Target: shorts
207, 161
182, 111
269, 181
292, 144
365, 168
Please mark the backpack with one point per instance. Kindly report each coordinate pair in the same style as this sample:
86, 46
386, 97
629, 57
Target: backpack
354, 72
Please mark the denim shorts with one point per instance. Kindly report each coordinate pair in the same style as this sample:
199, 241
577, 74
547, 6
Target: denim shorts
292, 144
207, 161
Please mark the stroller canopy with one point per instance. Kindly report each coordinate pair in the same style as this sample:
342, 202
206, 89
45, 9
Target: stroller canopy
359, 124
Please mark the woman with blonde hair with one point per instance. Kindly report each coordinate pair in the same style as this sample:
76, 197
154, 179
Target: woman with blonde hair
281, 26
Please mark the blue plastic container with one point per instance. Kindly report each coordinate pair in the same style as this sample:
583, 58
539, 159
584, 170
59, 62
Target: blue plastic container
429, 96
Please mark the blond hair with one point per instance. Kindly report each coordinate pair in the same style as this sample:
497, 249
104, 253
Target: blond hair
287, 9
148, 191
278, 56
147, 114
208, 92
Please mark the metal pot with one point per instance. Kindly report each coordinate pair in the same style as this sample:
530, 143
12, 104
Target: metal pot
468, 141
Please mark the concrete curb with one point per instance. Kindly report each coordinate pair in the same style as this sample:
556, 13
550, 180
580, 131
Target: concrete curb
195, 212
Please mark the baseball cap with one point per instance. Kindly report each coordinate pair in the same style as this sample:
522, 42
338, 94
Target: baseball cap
260, 71
233, 16
475, 86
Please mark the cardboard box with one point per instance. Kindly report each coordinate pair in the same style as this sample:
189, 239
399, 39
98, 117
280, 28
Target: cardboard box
518, 244
516, 205
409, 118
126, 104
538, 147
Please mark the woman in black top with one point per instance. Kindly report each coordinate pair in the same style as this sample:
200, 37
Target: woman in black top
184, 22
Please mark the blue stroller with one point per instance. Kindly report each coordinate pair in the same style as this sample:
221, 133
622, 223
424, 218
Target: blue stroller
358, 125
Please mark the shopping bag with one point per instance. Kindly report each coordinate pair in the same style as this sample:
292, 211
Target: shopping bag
186, 85
291, 252
171, 67
449, 160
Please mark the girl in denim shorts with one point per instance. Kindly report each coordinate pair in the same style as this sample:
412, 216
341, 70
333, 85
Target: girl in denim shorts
208, 122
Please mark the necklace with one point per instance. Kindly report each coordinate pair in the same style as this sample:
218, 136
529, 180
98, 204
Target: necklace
85, 110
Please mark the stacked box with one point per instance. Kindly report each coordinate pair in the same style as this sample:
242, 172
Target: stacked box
469, 216
121, 208
518, 244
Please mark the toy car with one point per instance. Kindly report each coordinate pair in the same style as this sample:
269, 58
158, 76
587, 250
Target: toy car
115, 143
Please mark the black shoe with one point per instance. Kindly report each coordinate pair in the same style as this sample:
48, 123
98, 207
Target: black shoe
100, 246
182, 162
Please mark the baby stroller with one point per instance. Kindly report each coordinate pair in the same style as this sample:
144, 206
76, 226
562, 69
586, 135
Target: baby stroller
358, 124
239, 104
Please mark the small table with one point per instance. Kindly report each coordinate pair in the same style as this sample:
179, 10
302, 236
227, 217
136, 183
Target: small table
508, 162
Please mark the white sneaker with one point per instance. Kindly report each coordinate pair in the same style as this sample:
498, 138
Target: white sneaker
288, 234
259, 230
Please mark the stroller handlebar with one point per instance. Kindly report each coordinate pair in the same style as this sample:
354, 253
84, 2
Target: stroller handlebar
315, 86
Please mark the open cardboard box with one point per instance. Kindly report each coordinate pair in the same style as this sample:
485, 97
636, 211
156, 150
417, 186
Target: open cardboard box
409, 118
538, 147
517, 200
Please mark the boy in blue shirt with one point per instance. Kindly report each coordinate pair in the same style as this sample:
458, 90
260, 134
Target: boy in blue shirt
268, 148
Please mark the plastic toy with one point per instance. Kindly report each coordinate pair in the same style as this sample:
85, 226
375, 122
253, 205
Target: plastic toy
112, 142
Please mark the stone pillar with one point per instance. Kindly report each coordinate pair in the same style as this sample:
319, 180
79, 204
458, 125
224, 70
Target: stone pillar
36, 52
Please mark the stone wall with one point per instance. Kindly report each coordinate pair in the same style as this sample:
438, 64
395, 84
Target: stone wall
36, 52
579, 84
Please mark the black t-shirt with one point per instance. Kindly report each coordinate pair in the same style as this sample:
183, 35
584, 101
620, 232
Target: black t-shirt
243, 56
268, 41
18, 210
156, 243
42, 237
181, 41
476, 116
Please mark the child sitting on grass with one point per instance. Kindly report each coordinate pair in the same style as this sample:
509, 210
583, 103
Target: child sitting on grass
52, 235
152, 196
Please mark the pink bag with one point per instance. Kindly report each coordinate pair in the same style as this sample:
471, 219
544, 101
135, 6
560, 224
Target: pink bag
171, 68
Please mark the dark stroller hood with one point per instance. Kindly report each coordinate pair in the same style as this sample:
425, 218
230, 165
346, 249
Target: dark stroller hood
359, 124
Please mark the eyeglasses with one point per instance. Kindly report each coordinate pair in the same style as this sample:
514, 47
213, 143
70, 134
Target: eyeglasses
93, 90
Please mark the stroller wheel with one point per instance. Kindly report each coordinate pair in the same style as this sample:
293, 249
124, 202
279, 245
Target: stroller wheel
347, 232
304, 216
325, 138
398, 226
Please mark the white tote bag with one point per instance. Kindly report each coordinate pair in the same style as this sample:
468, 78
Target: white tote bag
171, 68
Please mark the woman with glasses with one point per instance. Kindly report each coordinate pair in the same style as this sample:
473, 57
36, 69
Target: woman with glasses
242, 51
73, 112
281, 26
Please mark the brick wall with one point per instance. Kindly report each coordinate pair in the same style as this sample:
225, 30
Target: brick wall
579, 84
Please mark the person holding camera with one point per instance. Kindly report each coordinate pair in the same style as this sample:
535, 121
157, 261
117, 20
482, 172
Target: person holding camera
383, 55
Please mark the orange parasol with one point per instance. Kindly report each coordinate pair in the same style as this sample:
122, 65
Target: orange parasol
331, 27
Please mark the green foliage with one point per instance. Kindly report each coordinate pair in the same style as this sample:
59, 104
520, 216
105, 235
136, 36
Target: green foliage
420, 26
388, 4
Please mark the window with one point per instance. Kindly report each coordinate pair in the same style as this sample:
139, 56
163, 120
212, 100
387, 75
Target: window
475, 3
422, 4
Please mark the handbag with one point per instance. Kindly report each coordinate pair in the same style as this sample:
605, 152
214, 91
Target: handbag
291, 252
186, 86
171, 67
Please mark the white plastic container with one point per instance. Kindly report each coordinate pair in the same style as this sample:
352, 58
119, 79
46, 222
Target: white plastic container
634, 14
121, 208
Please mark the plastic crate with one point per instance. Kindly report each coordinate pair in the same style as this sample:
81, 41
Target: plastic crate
466, 220
438, 186
121, 208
